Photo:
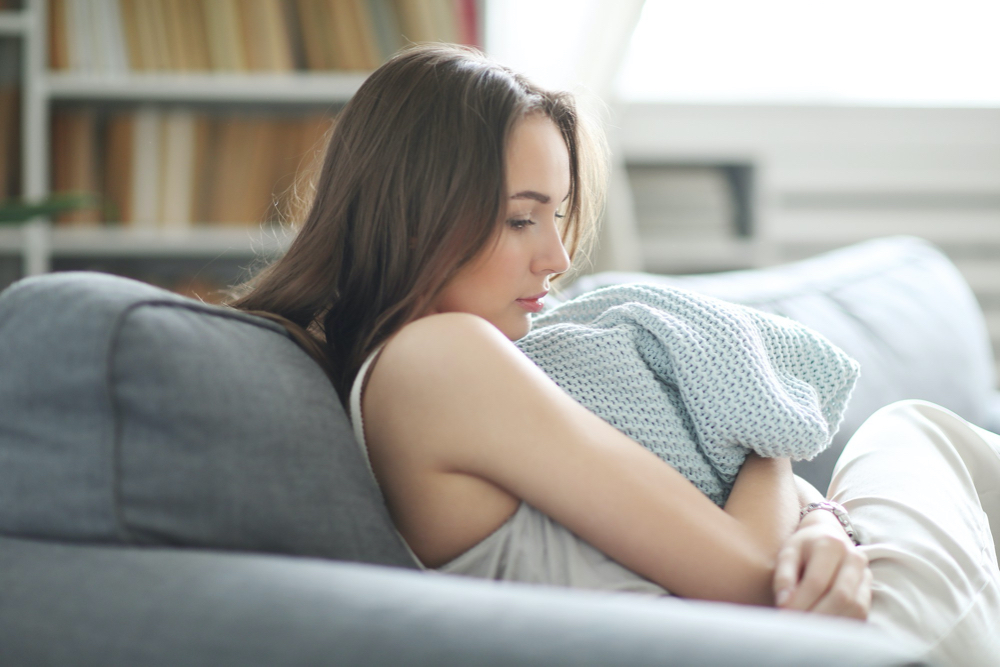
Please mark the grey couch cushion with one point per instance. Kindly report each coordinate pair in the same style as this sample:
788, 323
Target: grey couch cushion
897, 305
133, 415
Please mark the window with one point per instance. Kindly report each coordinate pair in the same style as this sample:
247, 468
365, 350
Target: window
855, 52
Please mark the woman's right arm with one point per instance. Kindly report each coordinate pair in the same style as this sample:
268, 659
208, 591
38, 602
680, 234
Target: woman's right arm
466, 400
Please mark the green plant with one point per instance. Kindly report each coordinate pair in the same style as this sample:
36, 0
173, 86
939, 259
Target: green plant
13, 211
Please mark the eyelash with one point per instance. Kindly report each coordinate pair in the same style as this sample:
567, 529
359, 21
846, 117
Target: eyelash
518, 224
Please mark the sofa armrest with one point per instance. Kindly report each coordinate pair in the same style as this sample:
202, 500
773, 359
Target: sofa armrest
104, 605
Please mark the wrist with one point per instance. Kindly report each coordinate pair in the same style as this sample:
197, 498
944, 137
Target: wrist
829, 513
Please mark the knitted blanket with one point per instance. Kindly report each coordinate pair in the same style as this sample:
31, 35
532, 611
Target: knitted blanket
698, 381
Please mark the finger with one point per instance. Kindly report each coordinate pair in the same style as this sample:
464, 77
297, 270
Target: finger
786, 572
866, 593
819, 574
847, 596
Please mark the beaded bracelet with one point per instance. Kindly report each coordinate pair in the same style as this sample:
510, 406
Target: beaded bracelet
838, 511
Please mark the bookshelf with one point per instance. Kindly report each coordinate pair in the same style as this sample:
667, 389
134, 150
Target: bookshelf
95, 77
14, 27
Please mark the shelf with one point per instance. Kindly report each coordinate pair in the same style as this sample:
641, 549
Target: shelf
195, 242
295, 88
14, 23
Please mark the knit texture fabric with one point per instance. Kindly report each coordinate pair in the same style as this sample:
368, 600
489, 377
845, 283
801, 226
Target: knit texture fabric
698, 381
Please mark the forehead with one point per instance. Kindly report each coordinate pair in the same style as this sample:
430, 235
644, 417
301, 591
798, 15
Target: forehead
537, 157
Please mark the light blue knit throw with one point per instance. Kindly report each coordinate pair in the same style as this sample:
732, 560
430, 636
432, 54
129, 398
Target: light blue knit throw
698, 381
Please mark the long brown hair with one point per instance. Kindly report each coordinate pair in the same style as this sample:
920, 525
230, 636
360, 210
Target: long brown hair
411, 189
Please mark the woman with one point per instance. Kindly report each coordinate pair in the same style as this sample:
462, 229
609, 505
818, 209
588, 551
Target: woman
453, 193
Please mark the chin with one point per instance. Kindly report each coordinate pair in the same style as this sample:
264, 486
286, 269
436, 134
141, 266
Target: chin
514, 329
519, 331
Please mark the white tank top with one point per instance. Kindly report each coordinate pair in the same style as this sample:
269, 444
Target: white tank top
529, 546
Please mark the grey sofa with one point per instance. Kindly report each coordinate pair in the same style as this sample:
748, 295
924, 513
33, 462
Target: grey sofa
179, 485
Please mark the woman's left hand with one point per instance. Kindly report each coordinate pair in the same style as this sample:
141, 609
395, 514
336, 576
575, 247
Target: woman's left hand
820, 570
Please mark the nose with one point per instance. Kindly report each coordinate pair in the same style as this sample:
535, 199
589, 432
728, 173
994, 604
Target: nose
552, 257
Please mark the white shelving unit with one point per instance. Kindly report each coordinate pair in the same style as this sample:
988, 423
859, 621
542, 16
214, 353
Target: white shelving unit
13, 24
39, 243
260, 88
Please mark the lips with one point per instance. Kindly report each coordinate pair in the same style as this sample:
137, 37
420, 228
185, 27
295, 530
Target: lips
532, 304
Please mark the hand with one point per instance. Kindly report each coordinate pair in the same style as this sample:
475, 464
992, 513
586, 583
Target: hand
819, 570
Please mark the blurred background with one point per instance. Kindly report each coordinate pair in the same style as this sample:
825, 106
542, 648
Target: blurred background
173, 140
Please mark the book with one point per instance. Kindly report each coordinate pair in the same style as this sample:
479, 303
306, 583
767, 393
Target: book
229, 152
74, 154
271, 16
117, 36
78, 35
344, 36
194, 34
301, 147
176, 189
296, 37
137, 52
225, 38
259, 174
416, 20
172, 29
10, 141
312, 22
10, 119
58, 39
160, 168
467, 19
443, 15
145, 27
201, 177
118, 173
369, 53
146, 164
116, 56
163, 56
385, 24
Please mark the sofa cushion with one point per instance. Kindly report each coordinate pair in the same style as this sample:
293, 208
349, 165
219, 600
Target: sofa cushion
897, 305
134, 415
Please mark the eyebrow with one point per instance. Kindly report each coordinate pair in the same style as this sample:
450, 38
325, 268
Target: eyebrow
537, 196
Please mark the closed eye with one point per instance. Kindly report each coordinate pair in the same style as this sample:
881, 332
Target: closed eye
520, 223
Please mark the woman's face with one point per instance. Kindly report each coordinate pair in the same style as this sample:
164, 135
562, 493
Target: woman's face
509, 279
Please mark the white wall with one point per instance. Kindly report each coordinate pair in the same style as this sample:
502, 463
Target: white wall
831, 176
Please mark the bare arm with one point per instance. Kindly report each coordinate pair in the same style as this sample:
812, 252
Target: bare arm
469, 402
807, 492
764, 498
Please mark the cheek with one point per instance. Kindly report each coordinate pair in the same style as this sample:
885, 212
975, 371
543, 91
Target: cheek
508, 263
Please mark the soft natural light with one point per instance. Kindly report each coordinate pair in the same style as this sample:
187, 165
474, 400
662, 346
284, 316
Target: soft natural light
880, 52
544, 39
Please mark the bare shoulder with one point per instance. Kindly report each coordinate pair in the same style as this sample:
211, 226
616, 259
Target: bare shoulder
435, 347
419, 423
439, 367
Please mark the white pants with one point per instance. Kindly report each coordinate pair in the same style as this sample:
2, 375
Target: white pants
918, 482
